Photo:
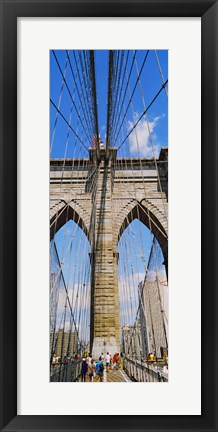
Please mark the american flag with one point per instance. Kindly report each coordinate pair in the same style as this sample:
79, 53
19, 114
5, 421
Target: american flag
95, 140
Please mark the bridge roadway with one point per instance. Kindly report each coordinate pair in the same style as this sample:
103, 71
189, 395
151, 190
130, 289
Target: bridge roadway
134, 369
111, 376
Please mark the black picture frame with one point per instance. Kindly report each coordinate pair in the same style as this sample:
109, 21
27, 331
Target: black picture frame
10, 11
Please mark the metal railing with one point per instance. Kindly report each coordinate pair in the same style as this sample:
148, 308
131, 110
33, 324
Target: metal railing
142, 372
66, 372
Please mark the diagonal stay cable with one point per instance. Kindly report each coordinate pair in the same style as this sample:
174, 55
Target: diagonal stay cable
116, 87
109, 103
133, 91
120, 90
66, 121
86, 77
85, 86
59, 104
73, 102
65, 288
77, 89
124, 96
82, 86
160, 70
144, 112
93, 80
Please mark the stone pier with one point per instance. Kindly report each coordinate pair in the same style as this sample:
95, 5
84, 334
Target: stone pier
103, 205
104, 290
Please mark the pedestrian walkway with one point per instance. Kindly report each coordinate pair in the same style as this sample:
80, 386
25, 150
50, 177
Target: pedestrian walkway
113, 376
116, 376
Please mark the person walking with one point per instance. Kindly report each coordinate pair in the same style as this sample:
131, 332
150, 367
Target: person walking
91, 369
100, 369
119, 361
108, 359
84, 369
159, 373
115, 361
89, 359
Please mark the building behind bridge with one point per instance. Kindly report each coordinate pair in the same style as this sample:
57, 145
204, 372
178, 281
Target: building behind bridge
131, 340
64, 343
153, 318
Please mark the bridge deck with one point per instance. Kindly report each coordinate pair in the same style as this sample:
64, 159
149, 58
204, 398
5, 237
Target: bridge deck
111, 376
116, 376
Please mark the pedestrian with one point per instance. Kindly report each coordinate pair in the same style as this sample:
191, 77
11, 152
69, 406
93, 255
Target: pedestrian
108, 359
115, 361
91, 368
90, 361
159, 374
102, 357
100, 369
84, 370
118, 361
152, 357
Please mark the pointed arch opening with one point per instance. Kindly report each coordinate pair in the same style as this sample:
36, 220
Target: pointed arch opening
153, 219
142, 284
62, 215
70, 290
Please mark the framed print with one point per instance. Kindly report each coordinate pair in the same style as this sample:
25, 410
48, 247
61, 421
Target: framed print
93, 94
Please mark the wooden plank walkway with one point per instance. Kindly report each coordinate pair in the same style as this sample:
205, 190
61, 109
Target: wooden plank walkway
111, 376
116, 376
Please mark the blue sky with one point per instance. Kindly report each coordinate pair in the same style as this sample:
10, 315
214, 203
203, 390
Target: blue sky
151, 83
64, 143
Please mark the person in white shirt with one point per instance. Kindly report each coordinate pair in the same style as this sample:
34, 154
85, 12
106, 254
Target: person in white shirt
89, 360
108, 359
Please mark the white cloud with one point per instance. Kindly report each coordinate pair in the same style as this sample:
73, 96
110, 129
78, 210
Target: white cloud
139, 141
78, 302
129, 297
137, 277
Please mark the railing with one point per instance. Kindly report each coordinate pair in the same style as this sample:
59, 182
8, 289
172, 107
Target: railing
65, 372
141, 372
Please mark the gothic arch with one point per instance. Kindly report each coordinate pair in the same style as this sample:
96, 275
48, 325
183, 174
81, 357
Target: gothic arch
62, 213
151, 217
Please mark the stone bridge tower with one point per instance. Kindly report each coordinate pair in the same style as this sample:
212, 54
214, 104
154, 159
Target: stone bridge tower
103, 198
